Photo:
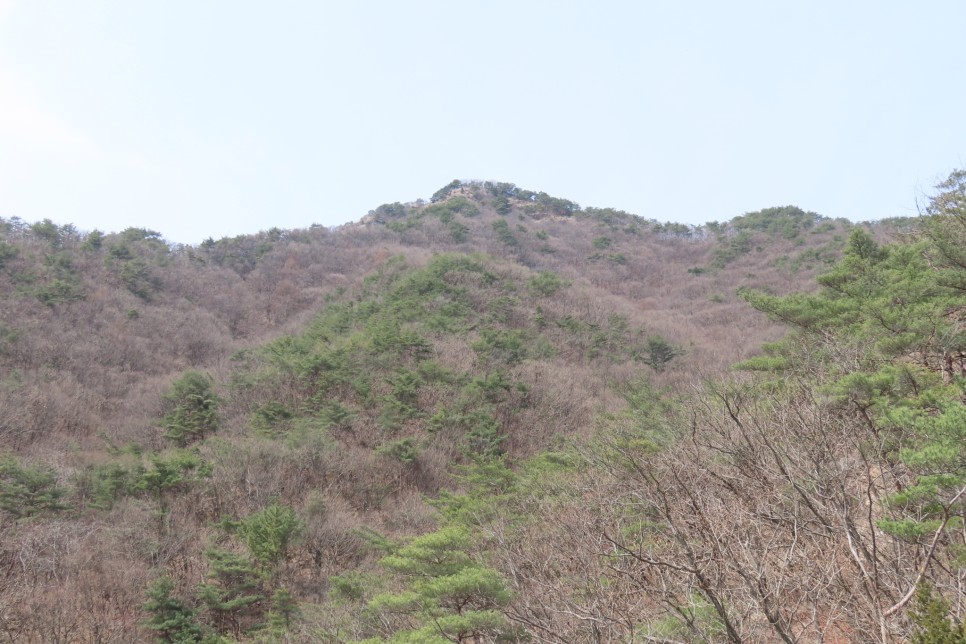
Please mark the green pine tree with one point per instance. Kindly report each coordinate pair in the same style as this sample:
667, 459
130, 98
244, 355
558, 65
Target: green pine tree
449, 597
234, 596
269, 533
192, 409
931, 617
170, 618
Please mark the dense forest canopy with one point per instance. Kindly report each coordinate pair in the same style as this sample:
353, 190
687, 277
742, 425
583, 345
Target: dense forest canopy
493, 416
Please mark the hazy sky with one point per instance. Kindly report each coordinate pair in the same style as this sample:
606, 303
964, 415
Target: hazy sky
212, 118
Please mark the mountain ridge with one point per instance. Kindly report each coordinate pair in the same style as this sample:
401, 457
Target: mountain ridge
161, 401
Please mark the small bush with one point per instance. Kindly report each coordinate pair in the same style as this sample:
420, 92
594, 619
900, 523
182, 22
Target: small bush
546, 284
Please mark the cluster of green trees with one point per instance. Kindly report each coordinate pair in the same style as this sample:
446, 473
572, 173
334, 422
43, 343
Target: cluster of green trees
241, 593
743, 234
27, 490
371, 359
243, 252
533, 202
786, 221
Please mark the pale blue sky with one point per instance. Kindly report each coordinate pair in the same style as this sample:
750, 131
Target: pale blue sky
213, 118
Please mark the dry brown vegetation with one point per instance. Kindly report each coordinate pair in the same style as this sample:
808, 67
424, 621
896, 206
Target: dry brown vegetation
95, 330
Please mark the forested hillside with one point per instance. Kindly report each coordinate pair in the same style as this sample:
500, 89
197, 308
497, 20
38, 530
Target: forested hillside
492, 416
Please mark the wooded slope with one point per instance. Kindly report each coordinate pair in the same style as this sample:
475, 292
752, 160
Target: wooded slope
239, 440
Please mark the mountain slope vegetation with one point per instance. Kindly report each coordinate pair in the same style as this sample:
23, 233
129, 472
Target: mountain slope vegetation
493, 416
